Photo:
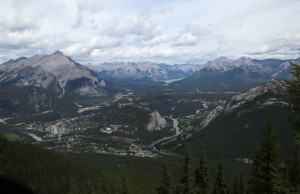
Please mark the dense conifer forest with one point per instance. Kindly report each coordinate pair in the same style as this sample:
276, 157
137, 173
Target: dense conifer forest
44, 171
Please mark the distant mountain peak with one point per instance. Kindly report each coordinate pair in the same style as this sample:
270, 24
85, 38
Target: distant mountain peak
222, 59
244, 58
58, 53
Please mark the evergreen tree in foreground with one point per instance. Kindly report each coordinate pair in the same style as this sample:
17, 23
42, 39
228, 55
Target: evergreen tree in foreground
202, 176
238, 185
73, 187
126, 187
185, 185
293, 96
265, 163
166, 185
220, 186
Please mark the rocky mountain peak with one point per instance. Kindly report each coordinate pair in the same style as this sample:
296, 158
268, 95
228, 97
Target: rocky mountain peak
56, 73
220, 63
244, 61
57, 53
222, 59
271, 93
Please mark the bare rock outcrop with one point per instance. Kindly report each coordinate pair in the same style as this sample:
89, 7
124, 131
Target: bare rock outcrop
156, 122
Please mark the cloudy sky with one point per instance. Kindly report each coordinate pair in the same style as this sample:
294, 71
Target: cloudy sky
172, 31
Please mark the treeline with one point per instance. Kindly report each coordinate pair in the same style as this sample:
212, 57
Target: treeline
268, 175
47, 172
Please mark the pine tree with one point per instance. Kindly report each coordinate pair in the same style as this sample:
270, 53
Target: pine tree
166, 185
294, 176
73, 187
185, 185
293, 96
220, 186
264, 162
202, 176
235, 186
238, 185
125, 185
279, 182
89, 187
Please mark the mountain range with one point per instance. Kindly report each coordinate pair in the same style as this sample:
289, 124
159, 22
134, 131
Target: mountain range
43, 79
221, 74
143, 71
225, 74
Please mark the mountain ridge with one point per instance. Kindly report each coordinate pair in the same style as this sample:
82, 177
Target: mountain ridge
237, 75
260, 95
142, 70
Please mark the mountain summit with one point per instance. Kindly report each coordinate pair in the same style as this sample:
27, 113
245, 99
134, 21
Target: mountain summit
56, 73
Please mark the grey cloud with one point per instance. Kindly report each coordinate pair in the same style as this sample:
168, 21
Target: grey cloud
191, 35
18, 22
137, 25
17, 39
90, 6
85, 11
186, 39
284, 44
85, 49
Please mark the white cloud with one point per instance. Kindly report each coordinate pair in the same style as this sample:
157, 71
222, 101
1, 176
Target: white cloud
166, 31
187, 39
87, 47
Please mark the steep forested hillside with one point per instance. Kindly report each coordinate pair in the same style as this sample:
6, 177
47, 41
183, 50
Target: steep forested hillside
45, 172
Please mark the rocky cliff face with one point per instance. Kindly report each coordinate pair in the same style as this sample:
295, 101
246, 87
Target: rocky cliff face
269, 94
156, 122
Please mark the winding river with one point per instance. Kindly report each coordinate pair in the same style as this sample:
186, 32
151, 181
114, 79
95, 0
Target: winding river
177, 132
